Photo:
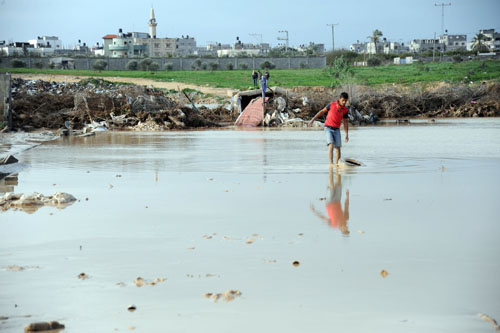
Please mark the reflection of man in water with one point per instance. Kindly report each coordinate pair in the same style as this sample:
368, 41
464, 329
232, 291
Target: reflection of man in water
336, 217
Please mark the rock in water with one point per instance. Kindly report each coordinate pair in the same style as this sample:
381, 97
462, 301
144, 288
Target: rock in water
43, 326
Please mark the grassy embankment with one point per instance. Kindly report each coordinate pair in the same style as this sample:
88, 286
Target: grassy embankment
240, 79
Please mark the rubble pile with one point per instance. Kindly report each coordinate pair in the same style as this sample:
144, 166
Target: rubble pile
445, 100
42, 104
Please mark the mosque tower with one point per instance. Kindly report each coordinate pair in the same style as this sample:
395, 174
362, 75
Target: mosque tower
152, 24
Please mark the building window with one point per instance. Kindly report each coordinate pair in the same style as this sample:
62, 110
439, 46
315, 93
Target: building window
167, 45
124, 43
157, 45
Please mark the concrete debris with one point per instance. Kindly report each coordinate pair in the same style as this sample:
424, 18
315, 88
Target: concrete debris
100, 105
30, 203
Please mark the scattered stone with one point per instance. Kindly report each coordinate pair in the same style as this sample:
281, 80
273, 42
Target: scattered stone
139, 282
361, 232
270, 261
131, 308
206, 237
118, 176
388, 199
83, 276
250, 241
384, 273
43, 326
296, 263
228, 295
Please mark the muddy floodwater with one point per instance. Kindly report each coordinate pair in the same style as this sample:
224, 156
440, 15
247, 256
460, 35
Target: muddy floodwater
249, 231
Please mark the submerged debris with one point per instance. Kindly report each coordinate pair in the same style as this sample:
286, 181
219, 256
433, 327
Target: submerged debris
30, 203
139, 282
490, 320
228, 295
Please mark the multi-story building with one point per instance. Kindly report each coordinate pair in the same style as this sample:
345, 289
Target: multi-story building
46, 42
453, 42
185, 46
395, 48
358, 47
123, 45
422, 45
492, 40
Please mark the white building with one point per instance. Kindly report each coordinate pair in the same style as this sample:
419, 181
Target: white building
422, 45
46, 42
492, 40
358, 47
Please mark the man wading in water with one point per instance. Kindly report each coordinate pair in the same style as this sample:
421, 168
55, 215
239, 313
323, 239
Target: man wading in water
336, 112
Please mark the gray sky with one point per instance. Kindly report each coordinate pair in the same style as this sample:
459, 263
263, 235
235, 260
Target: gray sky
223, 20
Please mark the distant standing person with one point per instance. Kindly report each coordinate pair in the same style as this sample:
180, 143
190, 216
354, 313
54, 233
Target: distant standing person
267, 75
263, 85
255, 77
336, 112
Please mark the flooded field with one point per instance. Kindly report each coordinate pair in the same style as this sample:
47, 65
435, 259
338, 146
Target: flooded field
250, 231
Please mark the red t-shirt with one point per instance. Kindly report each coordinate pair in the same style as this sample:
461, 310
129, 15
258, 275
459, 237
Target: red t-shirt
335, 114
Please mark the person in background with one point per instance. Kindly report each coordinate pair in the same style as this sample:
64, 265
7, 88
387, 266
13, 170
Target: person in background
267, 75
255, 77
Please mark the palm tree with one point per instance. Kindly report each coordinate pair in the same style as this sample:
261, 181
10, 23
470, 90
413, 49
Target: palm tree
375, 38
478, 42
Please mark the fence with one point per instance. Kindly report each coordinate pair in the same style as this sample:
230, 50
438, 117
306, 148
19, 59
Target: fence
178, 63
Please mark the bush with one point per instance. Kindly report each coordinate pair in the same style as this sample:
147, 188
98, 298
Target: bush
153, 67
168, 66
374, 61
213, 66
230, 66
303, 65
204, 66
132, 65
52, 65
99, 65
145, 63
244, 66
16, 63
457, 58
197, 63
267, 65
39, 65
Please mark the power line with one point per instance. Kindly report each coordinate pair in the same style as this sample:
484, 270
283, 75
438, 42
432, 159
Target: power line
284, 38
442, 5
333, 34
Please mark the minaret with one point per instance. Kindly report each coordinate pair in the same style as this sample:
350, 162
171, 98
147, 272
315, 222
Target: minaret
152, 24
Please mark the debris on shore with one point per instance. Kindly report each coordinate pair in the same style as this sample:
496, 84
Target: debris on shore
96, 104
99, 103
30, 203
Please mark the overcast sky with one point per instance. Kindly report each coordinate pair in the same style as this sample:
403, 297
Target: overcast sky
224, 20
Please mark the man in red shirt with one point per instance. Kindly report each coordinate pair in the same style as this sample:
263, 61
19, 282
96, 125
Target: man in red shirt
336, 112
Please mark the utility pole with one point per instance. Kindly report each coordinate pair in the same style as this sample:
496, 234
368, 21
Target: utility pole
442, 5
258, 35
284, 38
434, 48
333, 34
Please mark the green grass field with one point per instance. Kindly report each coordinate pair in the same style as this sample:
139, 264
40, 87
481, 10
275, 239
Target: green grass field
240, 79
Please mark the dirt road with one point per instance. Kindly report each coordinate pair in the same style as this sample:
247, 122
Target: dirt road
222, 92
